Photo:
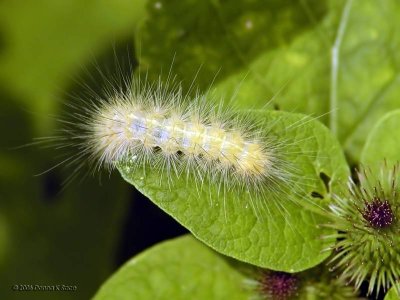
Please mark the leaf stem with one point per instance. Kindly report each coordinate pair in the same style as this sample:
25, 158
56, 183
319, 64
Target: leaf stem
335, 65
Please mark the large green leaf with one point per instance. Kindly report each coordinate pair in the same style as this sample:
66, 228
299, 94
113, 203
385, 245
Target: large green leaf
220, 36
316, 57
184, 268
178, 269
383, 141
283, 234
346, 65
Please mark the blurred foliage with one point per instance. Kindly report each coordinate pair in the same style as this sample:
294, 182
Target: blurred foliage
45, 42
48, 236
336, 59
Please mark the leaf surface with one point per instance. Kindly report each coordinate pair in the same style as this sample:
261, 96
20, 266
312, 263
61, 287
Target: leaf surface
182, 268
383, 141
277, 232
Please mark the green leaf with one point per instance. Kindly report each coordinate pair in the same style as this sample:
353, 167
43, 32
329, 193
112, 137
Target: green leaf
182, 268
336, 57
347, 66
220, 36
286, 236
383, 141
393, 294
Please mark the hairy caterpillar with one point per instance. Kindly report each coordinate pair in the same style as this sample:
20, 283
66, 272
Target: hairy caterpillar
183, 135
158, 127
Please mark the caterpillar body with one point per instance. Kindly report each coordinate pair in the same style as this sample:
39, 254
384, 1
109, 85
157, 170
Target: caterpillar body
177, 135
192, 138
127, 127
